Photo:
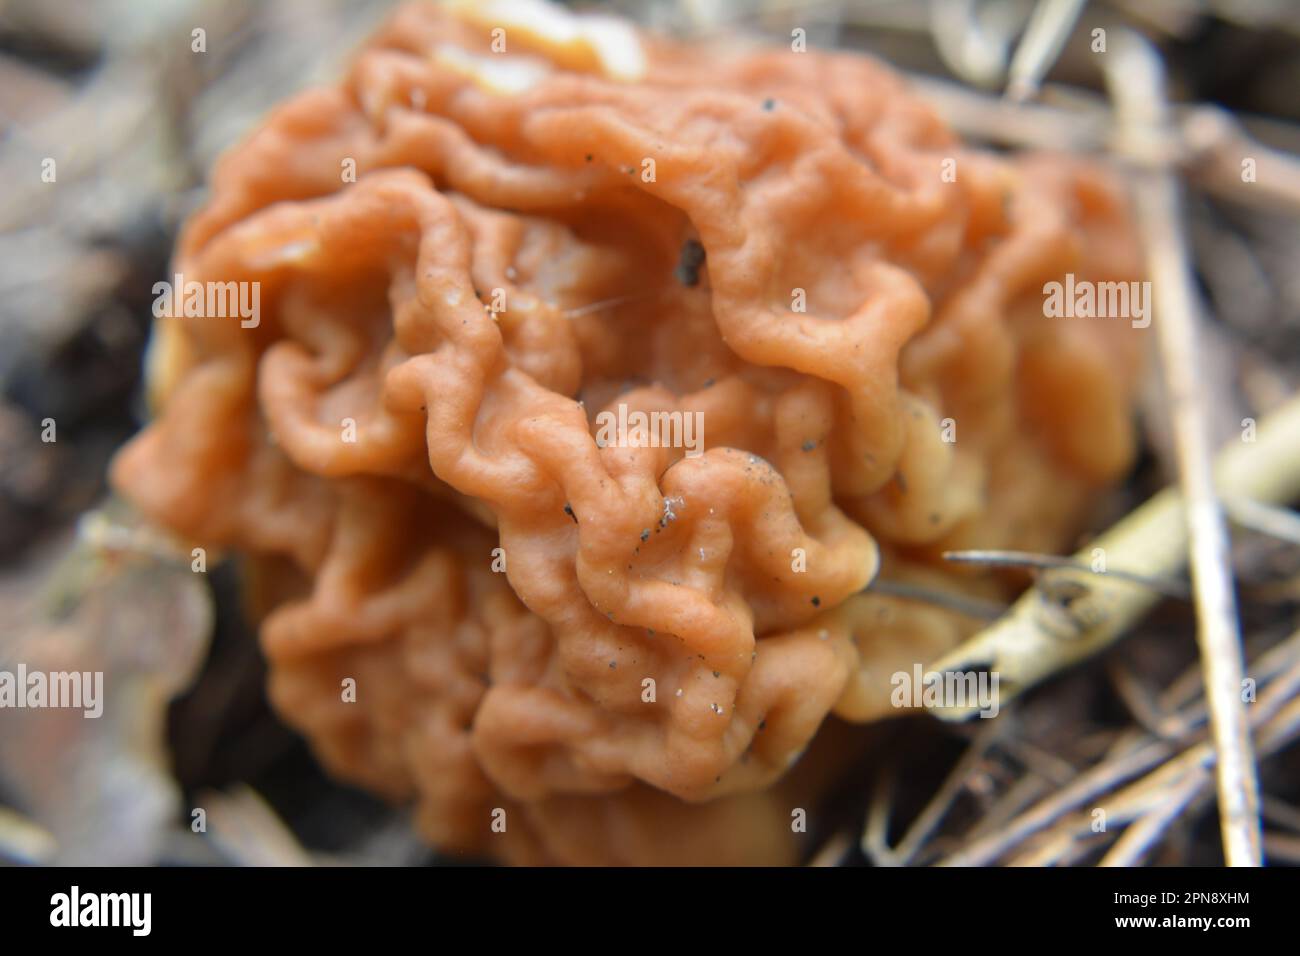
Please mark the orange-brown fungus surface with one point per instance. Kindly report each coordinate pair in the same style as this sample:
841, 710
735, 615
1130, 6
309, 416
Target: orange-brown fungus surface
499, 226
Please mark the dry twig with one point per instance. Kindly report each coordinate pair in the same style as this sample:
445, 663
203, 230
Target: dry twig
1135, 75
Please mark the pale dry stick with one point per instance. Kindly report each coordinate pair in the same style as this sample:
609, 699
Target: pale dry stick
1272, 714
1220, 146
1058, 852
1033, 125
1280, 523
1207, 143
974, 48
1135, 842
1076, 834
1049, 28
248, 830
1278, 726
1135, 76
711, 20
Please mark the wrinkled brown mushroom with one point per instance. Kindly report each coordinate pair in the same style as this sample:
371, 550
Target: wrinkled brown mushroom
760, 241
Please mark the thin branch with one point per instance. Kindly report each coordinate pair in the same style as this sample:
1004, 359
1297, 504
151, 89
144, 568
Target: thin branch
962, 604
1049, 28
1027, 559
1280, 523
1137, 840
1135, 76
1208, 143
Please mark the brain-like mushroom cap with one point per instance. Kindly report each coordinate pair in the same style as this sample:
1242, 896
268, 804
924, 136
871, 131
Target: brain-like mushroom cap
475, 269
